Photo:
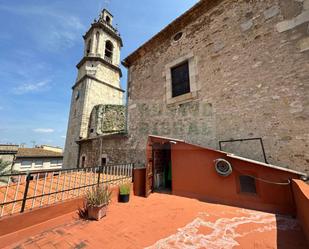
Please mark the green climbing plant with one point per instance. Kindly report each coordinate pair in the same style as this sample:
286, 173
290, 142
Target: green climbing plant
5, 170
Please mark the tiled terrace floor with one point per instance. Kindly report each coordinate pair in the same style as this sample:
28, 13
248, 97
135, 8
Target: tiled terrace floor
165, 221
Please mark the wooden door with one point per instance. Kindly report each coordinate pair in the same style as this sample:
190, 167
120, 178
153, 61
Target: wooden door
149, 172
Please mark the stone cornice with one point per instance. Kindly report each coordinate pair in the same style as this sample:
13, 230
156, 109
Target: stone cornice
119, 135
106, 29
90, 58
97, 80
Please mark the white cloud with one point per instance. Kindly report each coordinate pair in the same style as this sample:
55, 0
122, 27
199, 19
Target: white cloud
56, 29
32, 87
43, 130
64, 137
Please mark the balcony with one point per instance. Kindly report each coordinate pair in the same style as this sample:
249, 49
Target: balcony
108, 59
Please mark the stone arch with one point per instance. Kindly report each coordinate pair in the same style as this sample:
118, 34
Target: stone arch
109, 50
88, 50
108, 19
97, 37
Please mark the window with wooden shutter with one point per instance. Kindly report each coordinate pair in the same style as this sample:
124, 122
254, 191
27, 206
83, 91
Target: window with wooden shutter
180, 79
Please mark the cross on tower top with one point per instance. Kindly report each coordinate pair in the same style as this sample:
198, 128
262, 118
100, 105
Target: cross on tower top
106, 3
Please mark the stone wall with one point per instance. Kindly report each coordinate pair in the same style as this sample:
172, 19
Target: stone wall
251, 80
115, 148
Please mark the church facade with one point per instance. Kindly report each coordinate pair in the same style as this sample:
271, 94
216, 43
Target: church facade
224, 70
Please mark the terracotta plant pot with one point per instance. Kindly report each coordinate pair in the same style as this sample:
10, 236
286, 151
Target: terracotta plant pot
123, 198
97, 213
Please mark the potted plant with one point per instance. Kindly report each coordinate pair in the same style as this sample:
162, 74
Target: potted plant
124, 193
97, 201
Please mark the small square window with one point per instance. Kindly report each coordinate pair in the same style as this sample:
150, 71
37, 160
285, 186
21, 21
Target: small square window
180, 79
26, 164
247, 184
55, 163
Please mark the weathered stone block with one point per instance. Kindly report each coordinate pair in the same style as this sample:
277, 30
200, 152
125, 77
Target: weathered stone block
291, 24
304, 44
271, 12
246, 25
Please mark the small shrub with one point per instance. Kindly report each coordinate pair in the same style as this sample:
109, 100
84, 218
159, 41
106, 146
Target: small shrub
124, 189
98, 196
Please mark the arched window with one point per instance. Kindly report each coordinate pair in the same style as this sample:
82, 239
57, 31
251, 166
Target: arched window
108, 19
97, 42
88, 47
83, 162
109, 47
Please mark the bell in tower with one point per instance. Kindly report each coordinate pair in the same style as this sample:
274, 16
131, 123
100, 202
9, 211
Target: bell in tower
97, 83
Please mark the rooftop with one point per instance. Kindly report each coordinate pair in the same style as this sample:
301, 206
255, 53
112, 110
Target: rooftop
164, 221
36, 152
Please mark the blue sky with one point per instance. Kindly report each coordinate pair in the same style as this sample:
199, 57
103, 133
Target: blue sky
40, 45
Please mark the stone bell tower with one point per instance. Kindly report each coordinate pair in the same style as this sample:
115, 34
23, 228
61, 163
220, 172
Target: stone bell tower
98, 82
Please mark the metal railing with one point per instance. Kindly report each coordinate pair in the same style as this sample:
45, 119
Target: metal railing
26, 191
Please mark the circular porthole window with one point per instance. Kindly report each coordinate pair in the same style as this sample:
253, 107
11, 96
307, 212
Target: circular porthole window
223, 167
178, 36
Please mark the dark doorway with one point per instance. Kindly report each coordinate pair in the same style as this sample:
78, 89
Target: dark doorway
83, 161
103, 161
162, 167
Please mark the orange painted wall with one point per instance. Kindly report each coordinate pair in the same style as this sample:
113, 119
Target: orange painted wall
194, 175
301, 195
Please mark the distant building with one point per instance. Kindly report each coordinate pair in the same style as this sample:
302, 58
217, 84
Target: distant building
38, 159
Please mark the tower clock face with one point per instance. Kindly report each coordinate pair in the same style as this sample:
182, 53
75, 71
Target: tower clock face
77, 95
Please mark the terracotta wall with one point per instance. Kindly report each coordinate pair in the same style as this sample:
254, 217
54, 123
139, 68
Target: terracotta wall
194, 175
301, 195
